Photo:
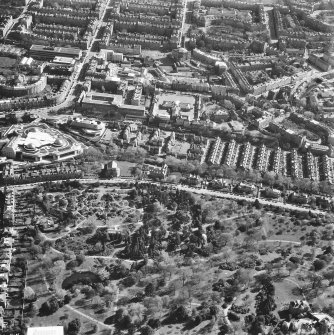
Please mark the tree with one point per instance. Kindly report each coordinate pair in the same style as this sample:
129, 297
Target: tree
12, 118
73, 327
225, 329
178, 314
329, 275
136, 171
149, 289
49, 307
200, 44
80, 258
26, 118
137, 312
220, 239
147, 330
60, 294
269, 178
319, 264
97, 302
153, 305
29, 294
102, 236
89, 293
36, 250
32, 310
291, 267
118, 318
54, 305
103, 274
257, 204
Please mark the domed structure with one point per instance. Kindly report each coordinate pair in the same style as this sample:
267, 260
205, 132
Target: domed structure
30, 147
32, 130
57, 142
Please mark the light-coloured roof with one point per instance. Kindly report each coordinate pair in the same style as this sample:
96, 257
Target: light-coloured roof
46, 331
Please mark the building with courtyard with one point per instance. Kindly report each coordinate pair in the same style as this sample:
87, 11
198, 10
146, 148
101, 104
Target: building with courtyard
39, 144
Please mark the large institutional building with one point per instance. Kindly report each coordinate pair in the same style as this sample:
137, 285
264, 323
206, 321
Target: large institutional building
87, 126
48, 53
110, 105
39, 143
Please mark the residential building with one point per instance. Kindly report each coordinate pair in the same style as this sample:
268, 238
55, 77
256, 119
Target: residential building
154, 171
181, 54
23, 86
6, 22
319, 62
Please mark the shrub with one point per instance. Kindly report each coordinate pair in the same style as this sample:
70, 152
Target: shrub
319, 264
73, 327
154, 323
233, 316
228, 299
129, 281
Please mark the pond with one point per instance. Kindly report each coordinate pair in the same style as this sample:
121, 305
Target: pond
80, 277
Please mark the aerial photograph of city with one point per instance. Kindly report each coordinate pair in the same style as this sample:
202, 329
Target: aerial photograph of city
166, 167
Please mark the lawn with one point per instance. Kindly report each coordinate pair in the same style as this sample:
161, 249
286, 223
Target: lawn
39, 279
283, 294
6, 64
125, 168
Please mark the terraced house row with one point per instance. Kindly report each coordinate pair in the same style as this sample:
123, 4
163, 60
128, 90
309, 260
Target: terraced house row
286, 163
72, 23
149, 24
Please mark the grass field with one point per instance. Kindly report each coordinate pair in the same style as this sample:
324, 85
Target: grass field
125, 168
6, 62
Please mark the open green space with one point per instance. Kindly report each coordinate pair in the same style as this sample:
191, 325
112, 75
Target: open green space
161, 261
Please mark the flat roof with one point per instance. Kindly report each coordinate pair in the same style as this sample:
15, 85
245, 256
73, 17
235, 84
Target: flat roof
141, 108
57, 330
44, 48
103, 98
63, 60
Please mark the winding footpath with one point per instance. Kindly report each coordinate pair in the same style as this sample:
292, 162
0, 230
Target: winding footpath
47, 238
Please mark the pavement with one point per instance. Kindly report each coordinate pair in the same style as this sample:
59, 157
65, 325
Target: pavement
249, 199
89, 317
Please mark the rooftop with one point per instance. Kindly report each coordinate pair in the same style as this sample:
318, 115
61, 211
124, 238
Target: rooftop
74, 51
103, 98
46, 331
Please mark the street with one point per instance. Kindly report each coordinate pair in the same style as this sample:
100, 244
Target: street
180, 187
